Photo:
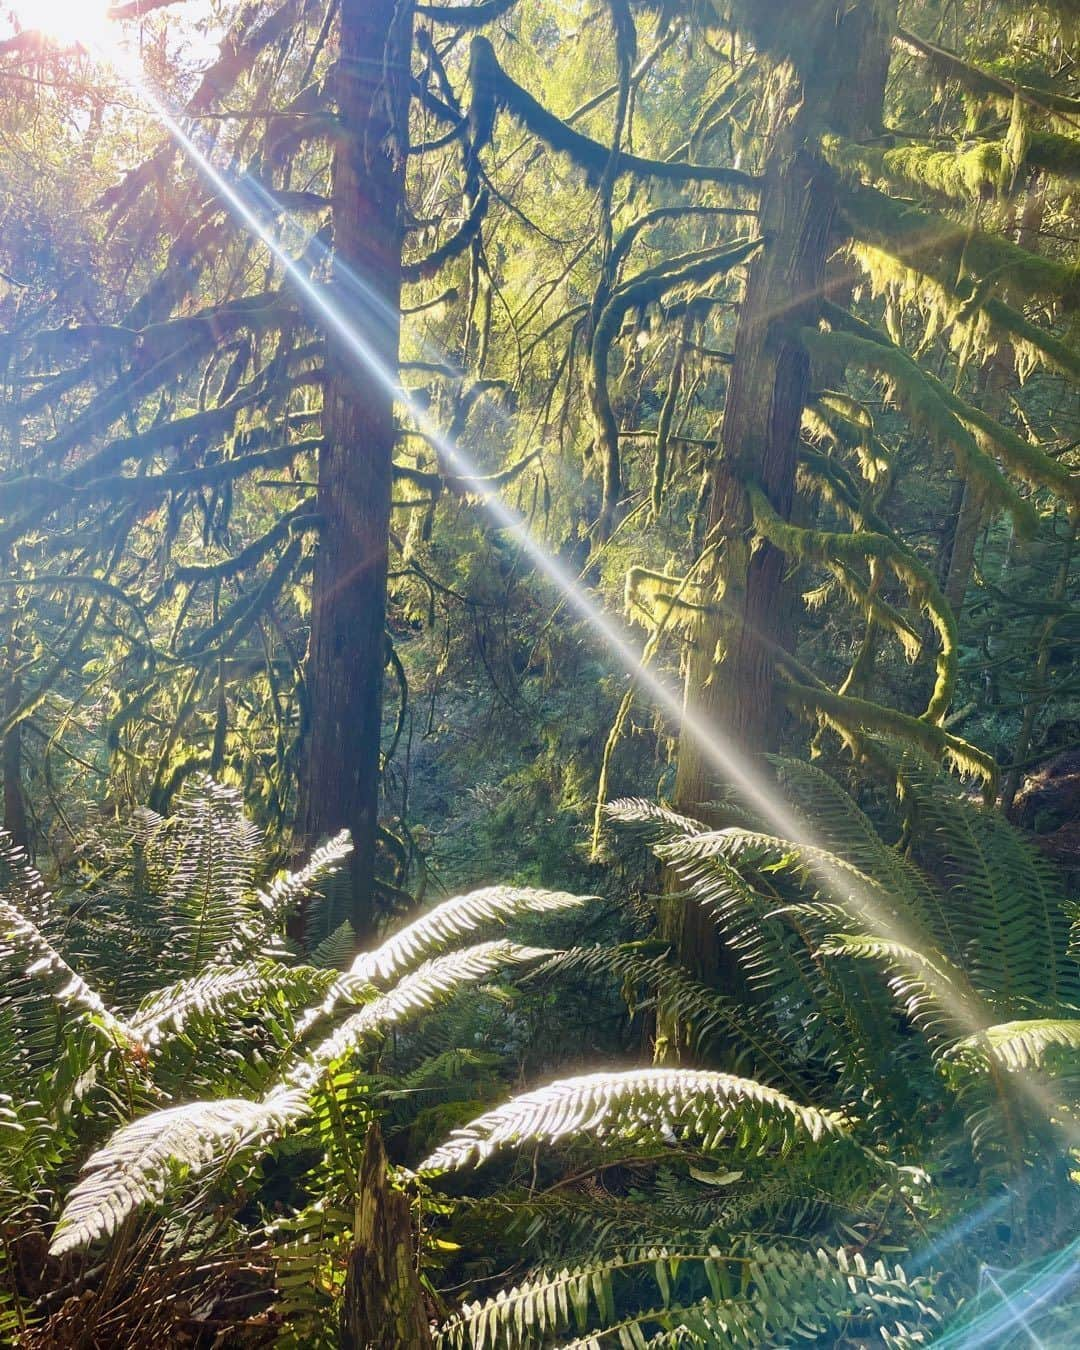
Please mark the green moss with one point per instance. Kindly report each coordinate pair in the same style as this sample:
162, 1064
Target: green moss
960, 172
849, 716
943, 249
839, 551
921, 399
1053, 352
659, 600
966, 171
945, 416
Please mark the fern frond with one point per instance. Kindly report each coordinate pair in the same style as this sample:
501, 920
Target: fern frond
278, 900
436, 929
432, 983
837, 823
1012, 926
25, 948
220, 992
651, 816
745, 1298
336, 950
932, 991
210, 894
646, 1105
1020, 1046
141, 1160
452, 919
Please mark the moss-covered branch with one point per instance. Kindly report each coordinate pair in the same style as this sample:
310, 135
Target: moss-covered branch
493, 89
1055, 353
466, 16
641, 290
425, 268
981, 81
849, 716
944, 415
944, 249
833, 550
967, 171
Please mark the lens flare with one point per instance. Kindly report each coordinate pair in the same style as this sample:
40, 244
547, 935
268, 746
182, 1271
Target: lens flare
83, 23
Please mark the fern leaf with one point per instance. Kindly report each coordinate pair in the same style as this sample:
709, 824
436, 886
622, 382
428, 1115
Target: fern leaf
757, 1296
453, 918
1021, 1045
433, 982
435, 930
140, 1161
646, 1105
220, 992
25, 947
210, 894
281, 897
641, 812
932, 990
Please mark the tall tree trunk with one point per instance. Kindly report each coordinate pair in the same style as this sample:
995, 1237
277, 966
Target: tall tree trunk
731, 666
347, 649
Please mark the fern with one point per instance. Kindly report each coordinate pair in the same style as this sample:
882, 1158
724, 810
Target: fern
137, 1165
142, 1160
25, 950
435, 930
648, 1106
433, 982
210, 894
753, 1297
1020, 1046
222, 991
453, 919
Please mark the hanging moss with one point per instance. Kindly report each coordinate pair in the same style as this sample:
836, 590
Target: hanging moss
926, 397
943, 249
848, 716
922, 402
981, 80
466, 16
1054, 352
643, 289
657, 600
846, 423
962, 172
839, 551
425, 268
664, 421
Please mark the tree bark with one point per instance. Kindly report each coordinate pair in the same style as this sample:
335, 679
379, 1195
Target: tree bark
384, 1303
730, 669
347, 648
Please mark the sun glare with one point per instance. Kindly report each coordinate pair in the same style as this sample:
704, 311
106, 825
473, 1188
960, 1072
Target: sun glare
85, 22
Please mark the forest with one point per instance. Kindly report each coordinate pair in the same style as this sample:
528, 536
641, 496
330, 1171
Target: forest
539, 674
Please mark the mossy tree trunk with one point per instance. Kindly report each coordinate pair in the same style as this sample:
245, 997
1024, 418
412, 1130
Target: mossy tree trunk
384, 1303
347, 650
730, 671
